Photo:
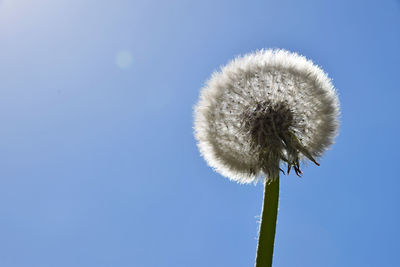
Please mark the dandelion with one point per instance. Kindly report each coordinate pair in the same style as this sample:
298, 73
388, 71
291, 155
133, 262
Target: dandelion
263, 112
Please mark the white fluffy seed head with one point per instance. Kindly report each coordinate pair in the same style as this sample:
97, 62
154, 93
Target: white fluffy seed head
263, 109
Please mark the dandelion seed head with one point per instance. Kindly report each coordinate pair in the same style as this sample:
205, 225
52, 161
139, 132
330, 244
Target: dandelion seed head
262, 110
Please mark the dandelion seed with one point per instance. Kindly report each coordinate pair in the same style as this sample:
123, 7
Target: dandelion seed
285, 107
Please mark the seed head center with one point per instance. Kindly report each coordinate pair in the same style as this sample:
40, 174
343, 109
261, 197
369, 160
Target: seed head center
267, 124
271, 137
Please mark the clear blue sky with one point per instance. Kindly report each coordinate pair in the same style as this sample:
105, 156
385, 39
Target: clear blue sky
98, 164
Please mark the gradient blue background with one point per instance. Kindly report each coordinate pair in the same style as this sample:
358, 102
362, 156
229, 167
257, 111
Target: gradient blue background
98, 164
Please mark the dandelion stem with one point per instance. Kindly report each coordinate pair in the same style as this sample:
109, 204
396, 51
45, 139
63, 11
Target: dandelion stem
269, 213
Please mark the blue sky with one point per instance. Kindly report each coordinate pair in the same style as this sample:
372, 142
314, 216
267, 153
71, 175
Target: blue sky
98, 164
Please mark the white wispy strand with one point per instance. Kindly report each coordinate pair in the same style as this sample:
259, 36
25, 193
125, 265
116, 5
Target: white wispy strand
266, 76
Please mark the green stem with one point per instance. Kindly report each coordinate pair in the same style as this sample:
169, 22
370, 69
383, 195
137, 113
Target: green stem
269, 213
